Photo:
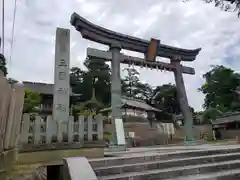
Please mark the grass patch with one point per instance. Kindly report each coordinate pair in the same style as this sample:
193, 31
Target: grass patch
57, 155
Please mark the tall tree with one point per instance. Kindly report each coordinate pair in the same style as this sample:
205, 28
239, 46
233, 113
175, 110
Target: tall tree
210, 115
82, 81
130, 82
98, 69
3, 67
31, 101
219, 89
133, 87
165, 98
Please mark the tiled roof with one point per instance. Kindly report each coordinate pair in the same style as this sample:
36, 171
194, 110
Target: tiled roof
227, 118
42, 88
136, 104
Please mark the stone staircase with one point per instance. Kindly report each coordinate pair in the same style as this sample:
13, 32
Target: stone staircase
210, 164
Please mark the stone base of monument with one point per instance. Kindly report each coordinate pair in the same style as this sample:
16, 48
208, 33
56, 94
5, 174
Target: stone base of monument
190, 142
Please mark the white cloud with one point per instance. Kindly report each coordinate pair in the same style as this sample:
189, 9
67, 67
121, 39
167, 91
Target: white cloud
188, 25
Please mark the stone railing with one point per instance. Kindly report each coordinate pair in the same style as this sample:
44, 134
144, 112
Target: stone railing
11, 105
42, 132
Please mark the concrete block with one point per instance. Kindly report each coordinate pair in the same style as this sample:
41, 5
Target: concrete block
76, 168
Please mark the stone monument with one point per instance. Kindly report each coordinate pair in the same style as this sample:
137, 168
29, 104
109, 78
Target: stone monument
61, 80
151, 49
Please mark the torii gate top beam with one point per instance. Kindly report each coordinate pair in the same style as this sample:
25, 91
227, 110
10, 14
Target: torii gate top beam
102, 35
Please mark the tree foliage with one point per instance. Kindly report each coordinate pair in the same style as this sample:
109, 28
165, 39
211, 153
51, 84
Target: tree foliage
133, 87
163, 97
31, 101
211, 114
225, 5
82, 81
3, 67
219, 89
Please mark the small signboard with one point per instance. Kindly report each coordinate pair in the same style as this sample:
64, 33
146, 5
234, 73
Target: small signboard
152, 50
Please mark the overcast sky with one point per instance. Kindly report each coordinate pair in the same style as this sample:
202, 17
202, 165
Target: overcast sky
187, 25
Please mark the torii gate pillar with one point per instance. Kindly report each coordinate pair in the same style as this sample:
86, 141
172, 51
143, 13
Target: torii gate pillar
183, 101
118, 136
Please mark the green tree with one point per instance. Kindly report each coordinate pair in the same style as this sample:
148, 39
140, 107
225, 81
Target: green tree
130, 82
3, 67
219, 89
211, 114
98, 69
133, 87
81, 81
165, 98
31, 101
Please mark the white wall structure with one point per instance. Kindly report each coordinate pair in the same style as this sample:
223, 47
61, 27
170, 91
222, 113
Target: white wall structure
37, 129
134, 112
166, 128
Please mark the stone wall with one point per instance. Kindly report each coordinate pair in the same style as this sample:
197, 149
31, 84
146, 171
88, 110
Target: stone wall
230, 134
144, 134
199, 131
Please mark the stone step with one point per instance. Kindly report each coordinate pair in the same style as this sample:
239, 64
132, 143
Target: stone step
163, 164
229, 175
176, 172
155, 156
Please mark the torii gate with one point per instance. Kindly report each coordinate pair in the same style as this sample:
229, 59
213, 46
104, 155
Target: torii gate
151, 49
